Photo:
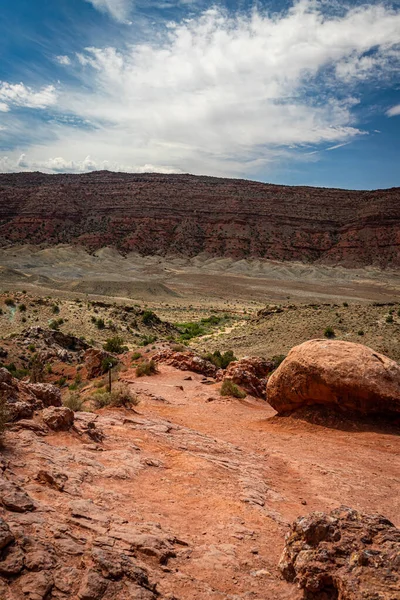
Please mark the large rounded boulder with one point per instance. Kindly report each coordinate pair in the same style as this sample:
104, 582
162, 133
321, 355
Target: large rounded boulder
338, 374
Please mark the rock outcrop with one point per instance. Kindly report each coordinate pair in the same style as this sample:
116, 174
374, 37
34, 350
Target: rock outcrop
23, 399
339, 374
250, 373
187, 361
188, 215
95, 362
58, 418
344, 555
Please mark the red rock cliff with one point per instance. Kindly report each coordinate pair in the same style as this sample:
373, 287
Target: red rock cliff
186, 214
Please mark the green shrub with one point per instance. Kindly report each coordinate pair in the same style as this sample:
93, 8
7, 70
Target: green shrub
115, 345
190, 330
22, 308
73, 401
62, 381
9, 302
360, 332
178, 347
31, 347
136, 356
119, 397
149, 317
147, 367
345, 304
100, 324
221, 361
229, 388
329, 332
389, 319
148, 339
277, 360
55, 309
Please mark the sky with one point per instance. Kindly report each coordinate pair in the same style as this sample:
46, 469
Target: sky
303, 92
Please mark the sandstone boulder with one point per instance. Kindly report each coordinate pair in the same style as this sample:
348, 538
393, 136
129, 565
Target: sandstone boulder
344, 555
334, 373
58, 418
6, 537
187, 361
250, 374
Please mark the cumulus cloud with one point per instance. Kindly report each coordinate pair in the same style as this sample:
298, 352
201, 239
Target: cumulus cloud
61, 165
225, 94
19, 94
394, 111
117, 9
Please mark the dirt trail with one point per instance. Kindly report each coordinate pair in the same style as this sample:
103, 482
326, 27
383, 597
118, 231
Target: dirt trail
234, 479
197, 489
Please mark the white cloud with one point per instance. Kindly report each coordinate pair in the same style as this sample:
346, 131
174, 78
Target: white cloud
394, 111
63, 60
117, 9
61, 165
19, 94
225, 94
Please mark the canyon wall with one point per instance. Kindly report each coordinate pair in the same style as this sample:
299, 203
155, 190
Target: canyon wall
187, 215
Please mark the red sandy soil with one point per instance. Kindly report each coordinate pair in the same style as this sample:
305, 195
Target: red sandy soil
220, 477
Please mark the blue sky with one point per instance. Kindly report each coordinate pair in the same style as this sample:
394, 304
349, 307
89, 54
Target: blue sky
303, 93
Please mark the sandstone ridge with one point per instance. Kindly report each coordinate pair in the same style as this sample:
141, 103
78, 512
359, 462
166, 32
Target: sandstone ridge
188, 215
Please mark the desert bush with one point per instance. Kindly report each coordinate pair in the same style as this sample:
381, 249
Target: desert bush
345, 304
221, 361
178, 347
62, 381
136, 355
360, 332
9, 302
55, 309
100, 324
147, 340
115, 345
149, 317
22, 307
389, 319
73, 401
329, 332
148, 367
119, 397
190, 330
229, 388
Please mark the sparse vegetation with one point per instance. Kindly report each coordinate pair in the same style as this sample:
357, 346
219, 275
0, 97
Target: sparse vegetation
360, 332
149, 317
9, 302
119, 397
389, 318
147, 367
73, 401
221, 361
229, 388
136, 356
115, 345
37, 370
148, 339
329, 332
22, 307
100, 323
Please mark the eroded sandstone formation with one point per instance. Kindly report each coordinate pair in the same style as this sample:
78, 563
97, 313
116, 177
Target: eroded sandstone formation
187, 215
344, 555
